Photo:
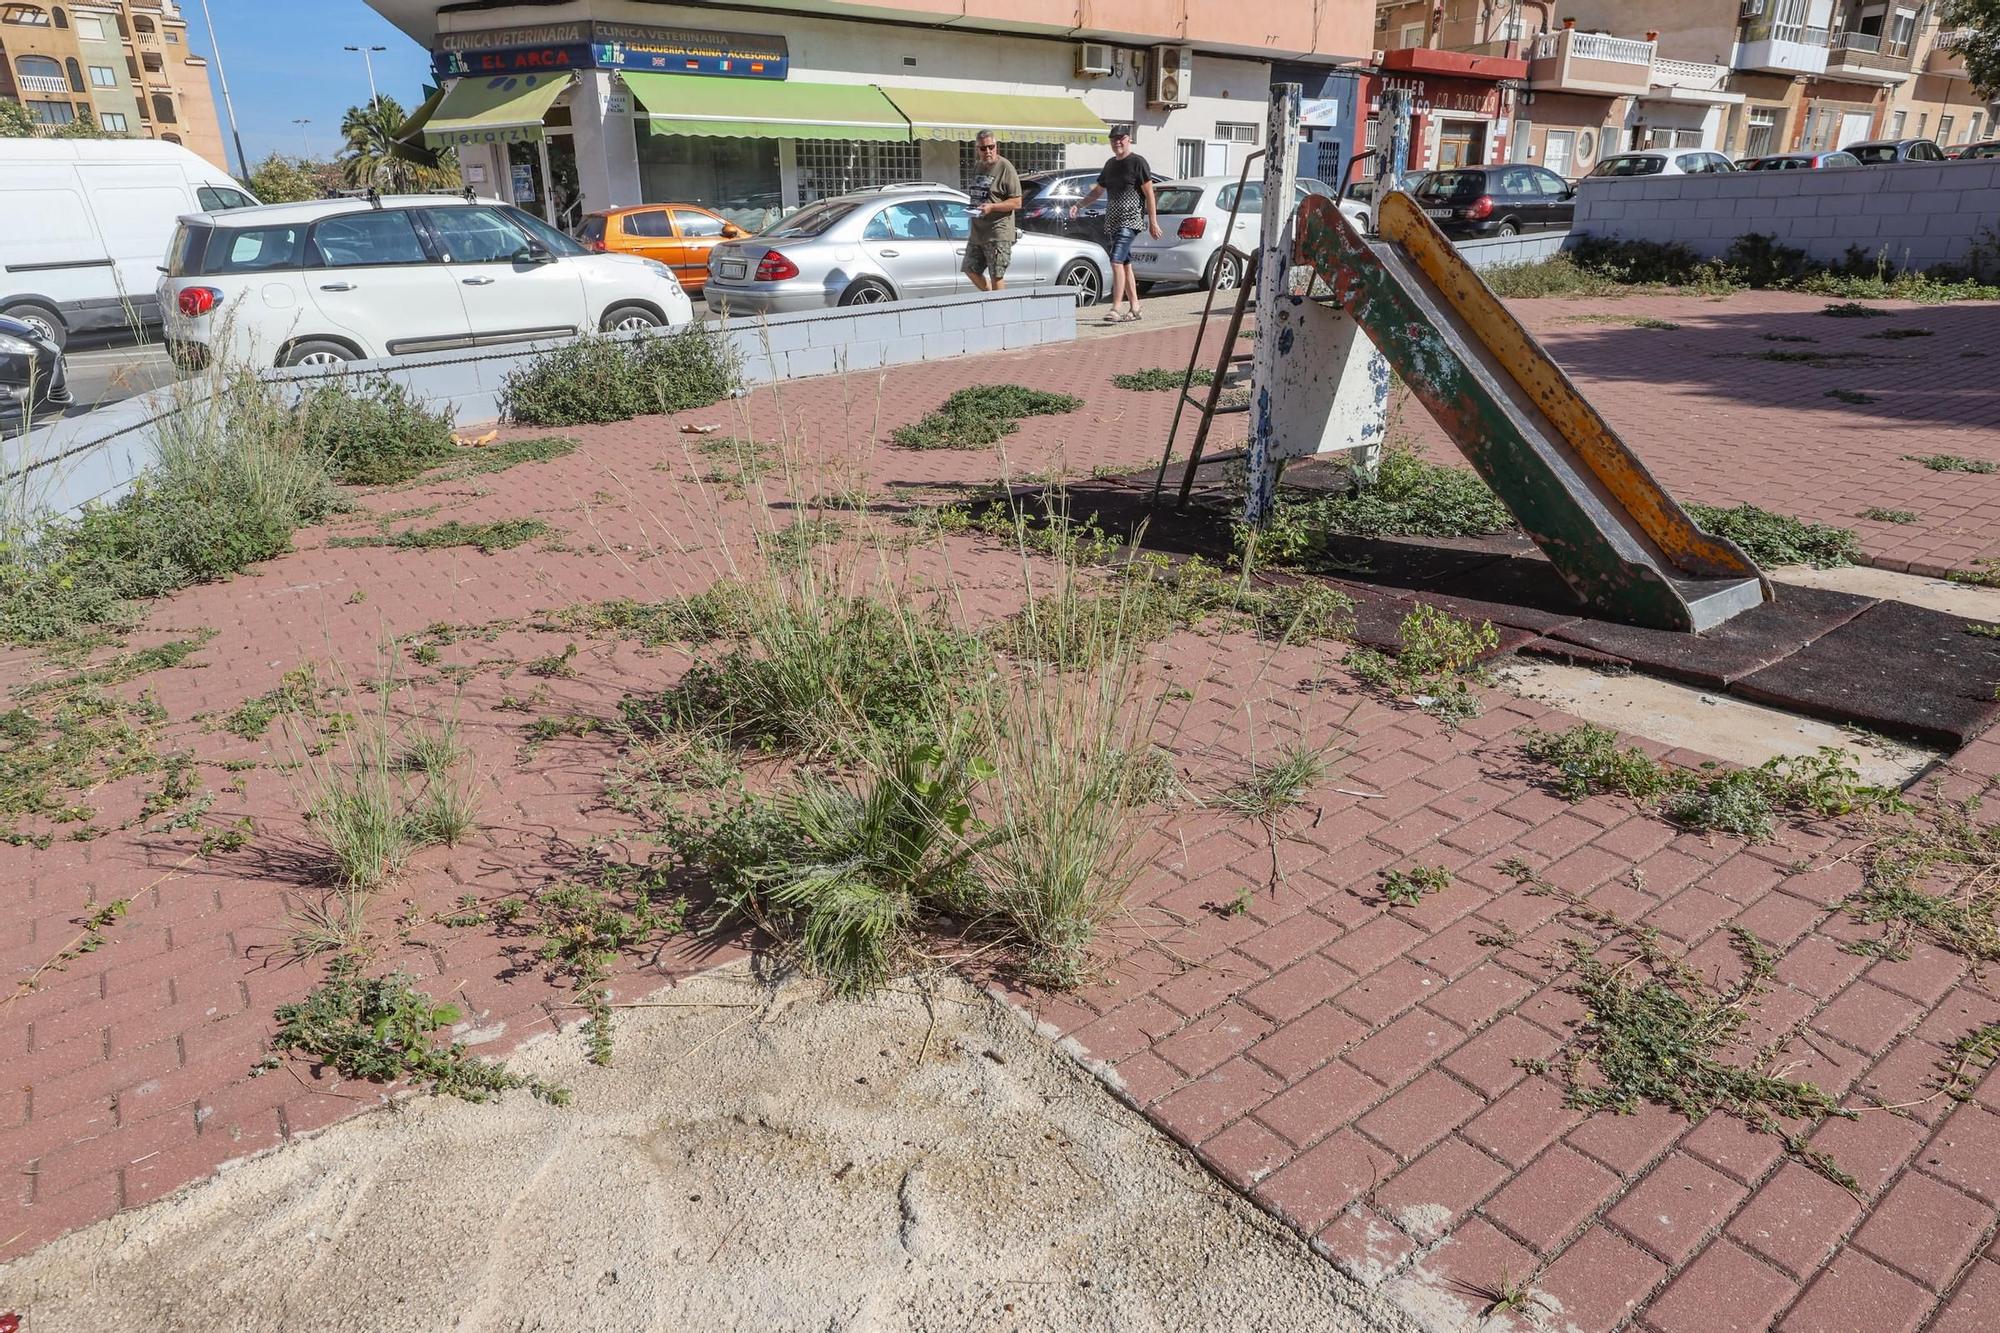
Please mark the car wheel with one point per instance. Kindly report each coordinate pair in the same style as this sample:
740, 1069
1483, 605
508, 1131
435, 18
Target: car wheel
1507, 228
868, 291
314, 352
1083, 275
1226, 273
42, 319
626, 318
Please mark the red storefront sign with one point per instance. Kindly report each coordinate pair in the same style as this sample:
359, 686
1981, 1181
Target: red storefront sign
1443, 85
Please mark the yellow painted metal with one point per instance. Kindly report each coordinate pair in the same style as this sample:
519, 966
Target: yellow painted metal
1399, 219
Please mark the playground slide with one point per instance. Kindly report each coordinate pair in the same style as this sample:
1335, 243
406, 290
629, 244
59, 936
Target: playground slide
1614, 533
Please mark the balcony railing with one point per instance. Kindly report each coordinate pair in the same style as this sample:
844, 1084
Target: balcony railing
1867, 55
42, 83
1691, 74
1594, 46
1871, 42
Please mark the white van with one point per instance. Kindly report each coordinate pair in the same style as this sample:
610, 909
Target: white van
85, 223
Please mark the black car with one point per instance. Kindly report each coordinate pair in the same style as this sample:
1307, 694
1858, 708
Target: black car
32, 375
1886, 152
1497, 201
1048, 196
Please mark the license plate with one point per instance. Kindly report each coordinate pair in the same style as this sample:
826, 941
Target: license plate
731, 268
1437, 212
1140, 257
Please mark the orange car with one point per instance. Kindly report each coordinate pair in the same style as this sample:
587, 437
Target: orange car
677, 235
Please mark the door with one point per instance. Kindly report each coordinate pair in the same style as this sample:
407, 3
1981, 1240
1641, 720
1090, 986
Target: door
650, 235
1855, 126
1461, 143
1560, 152
700, 232
370, 277
1215, 158
1519, 196
507, 296
909, 244
1558, 199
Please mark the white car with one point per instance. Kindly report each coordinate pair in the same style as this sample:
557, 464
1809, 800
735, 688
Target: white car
1194, 213
353, 279
1663, 162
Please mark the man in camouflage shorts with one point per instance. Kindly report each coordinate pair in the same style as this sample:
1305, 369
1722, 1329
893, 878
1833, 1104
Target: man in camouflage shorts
996, 196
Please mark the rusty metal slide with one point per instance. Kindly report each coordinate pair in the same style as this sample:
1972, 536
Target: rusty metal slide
1616, 535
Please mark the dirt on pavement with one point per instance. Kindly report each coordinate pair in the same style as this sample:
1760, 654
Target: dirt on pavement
759, 1156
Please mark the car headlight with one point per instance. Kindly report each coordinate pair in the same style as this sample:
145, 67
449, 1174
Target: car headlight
13, 346
663, 271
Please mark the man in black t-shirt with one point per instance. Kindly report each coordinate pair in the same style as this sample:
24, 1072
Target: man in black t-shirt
1127, 185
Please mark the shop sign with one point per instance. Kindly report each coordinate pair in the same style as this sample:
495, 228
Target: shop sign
1446, 95
1320, 112
549, 47
476, 138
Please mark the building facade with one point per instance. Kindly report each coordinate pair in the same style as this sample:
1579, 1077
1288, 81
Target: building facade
127, 62
756, 108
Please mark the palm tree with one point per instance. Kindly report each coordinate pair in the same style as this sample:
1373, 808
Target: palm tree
370, 157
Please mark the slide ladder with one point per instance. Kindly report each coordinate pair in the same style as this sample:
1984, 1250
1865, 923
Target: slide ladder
1627, 549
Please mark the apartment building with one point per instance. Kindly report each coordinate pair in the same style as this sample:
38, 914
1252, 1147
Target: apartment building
757, 106
1741, 77
128, 62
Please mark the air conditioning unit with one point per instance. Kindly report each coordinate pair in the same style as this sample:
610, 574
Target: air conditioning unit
1173, 76
1093, 60
1753, 8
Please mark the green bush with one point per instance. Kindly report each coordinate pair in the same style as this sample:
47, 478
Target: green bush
373, 432
981, 415
615, 378
1779, 539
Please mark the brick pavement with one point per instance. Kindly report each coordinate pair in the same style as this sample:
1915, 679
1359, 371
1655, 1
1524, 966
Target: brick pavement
1351, 1066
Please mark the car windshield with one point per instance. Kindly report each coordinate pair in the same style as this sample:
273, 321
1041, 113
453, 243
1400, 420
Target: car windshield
1453, 185
1779, 163
1641, 165
592, 229
1873, 153
812, 221
1982, 150
1178, 199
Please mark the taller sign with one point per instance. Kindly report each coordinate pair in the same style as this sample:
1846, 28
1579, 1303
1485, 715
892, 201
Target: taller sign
599, 44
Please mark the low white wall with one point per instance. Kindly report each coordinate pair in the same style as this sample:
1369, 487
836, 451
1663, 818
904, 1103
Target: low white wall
1918, 215
1494, 251
95, 457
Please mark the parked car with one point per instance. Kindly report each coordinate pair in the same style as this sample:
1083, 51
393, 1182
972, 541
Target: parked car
677, 235
351, 279
858, 249
1883, 152
1497, 201
1194, 214
1985, 148
1663, 162
32, 375
1798, 162
87, 222
1048, 199
1358, 200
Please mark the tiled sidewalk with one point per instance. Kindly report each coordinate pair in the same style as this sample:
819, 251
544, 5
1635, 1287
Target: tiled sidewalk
1350, 1065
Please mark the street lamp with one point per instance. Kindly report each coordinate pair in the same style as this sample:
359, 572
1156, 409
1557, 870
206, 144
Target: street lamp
229, 106
302, 122
368, 54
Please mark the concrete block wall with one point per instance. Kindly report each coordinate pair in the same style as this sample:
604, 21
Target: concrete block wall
66, 464
1494, 251
1916, 215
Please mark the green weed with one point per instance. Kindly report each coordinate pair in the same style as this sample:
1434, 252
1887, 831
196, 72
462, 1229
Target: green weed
1779, 539
609, 378
1438, 662
1854, 396
981, 415
1952, 463
1410, 497
501, 535
1273, 787
585, 923
1408, 888
492, 458
373, 432
1896, 334
1159, 378
1879, 515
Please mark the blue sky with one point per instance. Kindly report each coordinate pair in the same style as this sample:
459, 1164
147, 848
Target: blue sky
283, 64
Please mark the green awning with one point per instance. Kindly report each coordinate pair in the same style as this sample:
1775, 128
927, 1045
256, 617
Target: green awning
937, 114
764, 109
407, 144
504, 109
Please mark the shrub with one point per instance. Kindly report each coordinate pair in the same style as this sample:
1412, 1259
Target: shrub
1779, 539
615, 378
1409, 497
373, 432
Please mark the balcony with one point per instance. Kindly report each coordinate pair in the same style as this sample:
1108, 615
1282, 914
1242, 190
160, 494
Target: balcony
42, 83
1692, 81
1865, 58
1781, 48
1946, 60
1568, 61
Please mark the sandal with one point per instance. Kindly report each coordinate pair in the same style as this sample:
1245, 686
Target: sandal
1112, 317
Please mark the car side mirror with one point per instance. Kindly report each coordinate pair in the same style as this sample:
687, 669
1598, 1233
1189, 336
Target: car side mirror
534, 252
733, 232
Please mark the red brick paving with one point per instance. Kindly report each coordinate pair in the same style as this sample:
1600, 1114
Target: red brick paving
1350, 1066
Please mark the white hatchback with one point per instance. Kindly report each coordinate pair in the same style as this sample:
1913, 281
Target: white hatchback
1194, 214
353, 279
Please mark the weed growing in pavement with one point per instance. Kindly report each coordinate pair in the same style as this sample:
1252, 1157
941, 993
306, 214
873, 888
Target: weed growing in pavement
555, 666
1892, 335
737, 464
1410, 497
1803, 358
89, 939
489, 459
1854, 396
1588, 761
1779, 539
1853, 310
585, 922
612, 378
791, 546
1879, 515
383, 1029
1935, 877
500, 535
1156, 379
1969, 1057
373, 432
1952, 463
723, 610
1407, 888
53, 758
1437, 665
1787, 338
981, 415
1984, 573
121, 669
1271, 788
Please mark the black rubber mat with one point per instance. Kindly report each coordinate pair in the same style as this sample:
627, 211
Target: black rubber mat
1739, 646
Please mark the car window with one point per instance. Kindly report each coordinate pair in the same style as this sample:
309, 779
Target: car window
476, 235
1693, 164
1840, 160
255, 249
1253, 198
1931, 152
1517, 181
1873, 154
1554, 186
650, 225
367, 238
1443, 185
592, 229
218, 199
812, 220
1637, 165
537, 230
1177, 201
692, 223
957, 219
903, 222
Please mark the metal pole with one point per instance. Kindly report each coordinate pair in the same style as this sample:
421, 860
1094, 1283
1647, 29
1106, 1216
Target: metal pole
548, 180
228, 105
1274, 261
302, 122
1396, 114
367, 54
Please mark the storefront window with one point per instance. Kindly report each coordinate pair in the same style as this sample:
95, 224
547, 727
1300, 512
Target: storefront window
1026, 157
737, 178
829, 167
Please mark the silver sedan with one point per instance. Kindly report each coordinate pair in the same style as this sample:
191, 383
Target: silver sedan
899, 245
